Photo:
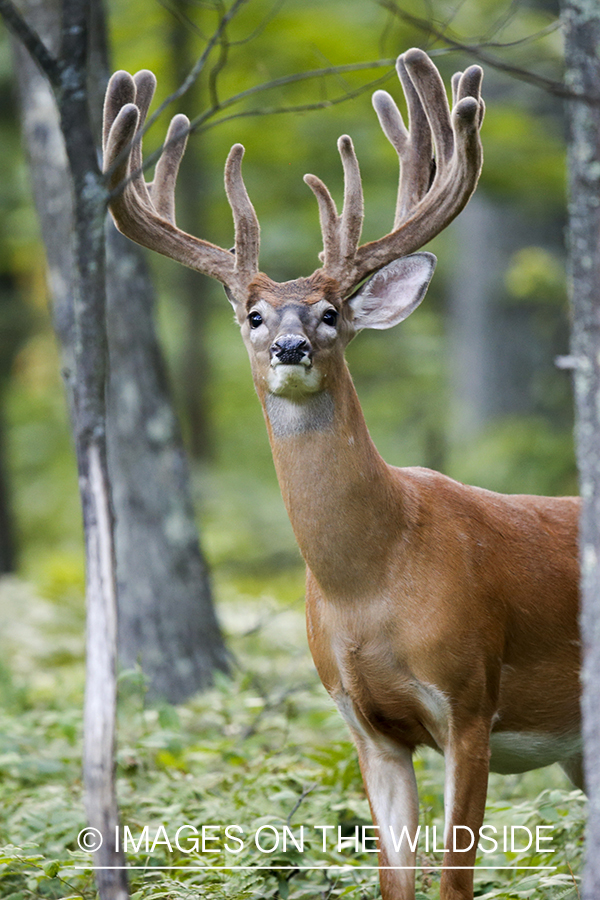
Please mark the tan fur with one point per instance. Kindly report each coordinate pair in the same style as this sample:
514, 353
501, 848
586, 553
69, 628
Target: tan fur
437, 614
303, 290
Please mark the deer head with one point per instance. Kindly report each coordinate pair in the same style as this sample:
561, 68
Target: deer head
296, 331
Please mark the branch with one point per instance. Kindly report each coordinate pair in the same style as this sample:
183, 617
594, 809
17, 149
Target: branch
557, 88
182, 17
198, 124
262, 25
20, 29
213, 75
528, 39
198, 66
74, 47
305, 792
285, 80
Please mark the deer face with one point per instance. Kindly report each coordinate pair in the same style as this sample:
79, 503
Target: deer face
296, 332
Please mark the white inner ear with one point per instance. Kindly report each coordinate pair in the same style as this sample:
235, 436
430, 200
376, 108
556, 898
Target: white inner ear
394, 292
231, 298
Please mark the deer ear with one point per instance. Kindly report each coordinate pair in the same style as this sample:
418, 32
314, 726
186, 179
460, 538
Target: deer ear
230, 297
229, 293
394, 292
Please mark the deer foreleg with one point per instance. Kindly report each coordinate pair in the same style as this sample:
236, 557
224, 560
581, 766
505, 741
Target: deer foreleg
389, 779
467, 767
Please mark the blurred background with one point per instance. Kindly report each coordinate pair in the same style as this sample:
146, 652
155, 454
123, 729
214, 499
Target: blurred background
467, 385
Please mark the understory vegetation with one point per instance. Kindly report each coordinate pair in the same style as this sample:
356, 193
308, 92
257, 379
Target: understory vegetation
468, 386
264, 753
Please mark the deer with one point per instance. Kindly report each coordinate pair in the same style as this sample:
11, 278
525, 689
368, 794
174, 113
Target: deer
438, 614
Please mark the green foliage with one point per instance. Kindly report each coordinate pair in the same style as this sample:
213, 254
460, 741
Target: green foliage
44, 477
524, 158
266, 748
519, 456
536, 275
404, 377
263, 750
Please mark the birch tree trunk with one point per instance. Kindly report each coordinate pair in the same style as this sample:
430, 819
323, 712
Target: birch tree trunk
66, 69
582, 49
167, 622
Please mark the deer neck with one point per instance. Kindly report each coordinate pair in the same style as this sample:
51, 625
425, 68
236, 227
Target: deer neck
335, 485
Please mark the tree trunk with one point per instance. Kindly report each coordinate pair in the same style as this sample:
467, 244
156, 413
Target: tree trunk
582, 43
472, 288
193, 289
166, 617
15, 328
7, 541
67, 72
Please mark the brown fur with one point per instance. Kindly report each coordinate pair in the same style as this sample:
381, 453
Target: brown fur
416, 580
437, 614
303, 290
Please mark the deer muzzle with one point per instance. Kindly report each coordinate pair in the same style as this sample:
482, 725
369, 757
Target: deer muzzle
291, 350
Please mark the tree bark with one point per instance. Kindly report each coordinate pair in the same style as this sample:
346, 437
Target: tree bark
8, 553
193, 288
582, 42
66, 70
15, 328
167, 622
166, 617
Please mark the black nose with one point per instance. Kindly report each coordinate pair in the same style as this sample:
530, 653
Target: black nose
290, 349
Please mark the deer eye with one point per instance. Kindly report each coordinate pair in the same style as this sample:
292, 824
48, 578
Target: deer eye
330, 317
255, 319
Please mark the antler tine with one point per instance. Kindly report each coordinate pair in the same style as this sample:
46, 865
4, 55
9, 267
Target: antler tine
469, 85
414, 151
247, 229
137, 92
145, 86
162, 189
455, 83
440, 159
429, 125
120, 92
416, 163
341, 233
146, 213
432, 94
328, 217
353, 210
445, 125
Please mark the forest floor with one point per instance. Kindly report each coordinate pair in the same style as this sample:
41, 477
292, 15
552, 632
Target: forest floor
260, 767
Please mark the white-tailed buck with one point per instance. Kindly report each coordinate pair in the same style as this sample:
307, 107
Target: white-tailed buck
438, 614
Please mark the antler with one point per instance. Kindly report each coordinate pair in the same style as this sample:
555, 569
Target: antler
146, 212
440, 161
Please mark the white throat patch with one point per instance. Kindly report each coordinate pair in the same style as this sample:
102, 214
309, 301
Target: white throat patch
290, 417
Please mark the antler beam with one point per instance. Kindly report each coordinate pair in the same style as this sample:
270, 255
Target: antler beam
440, 158
146, 212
